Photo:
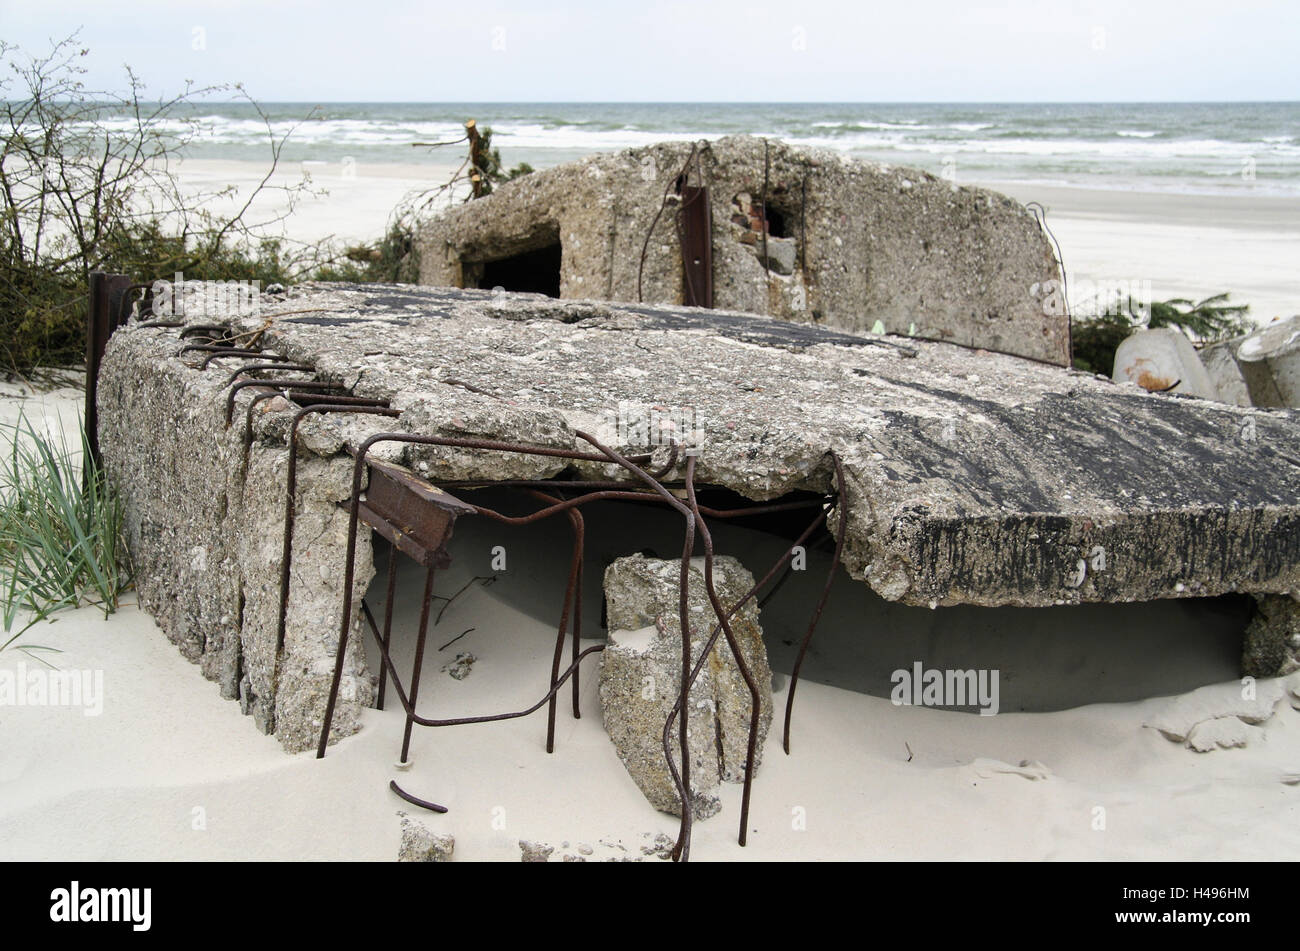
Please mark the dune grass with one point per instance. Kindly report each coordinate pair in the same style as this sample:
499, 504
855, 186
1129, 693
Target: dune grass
61, 538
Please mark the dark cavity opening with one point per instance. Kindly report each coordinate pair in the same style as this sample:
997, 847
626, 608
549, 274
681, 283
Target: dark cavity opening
776, 222
1044, 659
535, 272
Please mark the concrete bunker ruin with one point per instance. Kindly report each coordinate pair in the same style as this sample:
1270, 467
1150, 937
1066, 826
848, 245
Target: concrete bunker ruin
958, 479
758, 226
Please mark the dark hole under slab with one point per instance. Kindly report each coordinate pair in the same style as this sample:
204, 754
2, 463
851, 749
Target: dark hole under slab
1046, 658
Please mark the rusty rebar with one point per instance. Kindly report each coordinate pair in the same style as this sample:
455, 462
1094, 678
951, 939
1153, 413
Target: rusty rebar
741, 664
386, 640
205, 329
417, 667
307, 393
694, 518
684, 835
842, 511
363, 449
281, 367
574, 584
220, 351
279, 384
225, 355
415, 800
291, 493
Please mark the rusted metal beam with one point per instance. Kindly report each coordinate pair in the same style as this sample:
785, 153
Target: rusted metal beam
412, 514
107, 294
697, 246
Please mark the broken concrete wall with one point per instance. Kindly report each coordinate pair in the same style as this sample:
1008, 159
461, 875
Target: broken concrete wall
204, 530
851, 244
973, 478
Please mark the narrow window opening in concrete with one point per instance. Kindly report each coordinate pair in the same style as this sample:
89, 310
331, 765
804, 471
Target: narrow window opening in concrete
536, 271
777, 222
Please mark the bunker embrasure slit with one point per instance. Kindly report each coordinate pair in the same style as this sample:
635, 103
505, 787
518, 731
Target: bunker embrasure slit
531, 272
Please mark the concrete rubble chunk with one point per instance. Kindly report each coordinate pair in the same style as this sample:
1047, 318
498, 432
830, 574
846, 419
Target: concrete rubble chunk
1270, 363
422, 844
1163, 360
640, 677
1220, 361
1271, 645
972, 477
850, 243
534, 851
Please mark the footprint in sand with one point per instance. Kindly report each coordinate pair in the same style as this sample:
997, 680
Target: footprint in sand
1216, 717
1030, 769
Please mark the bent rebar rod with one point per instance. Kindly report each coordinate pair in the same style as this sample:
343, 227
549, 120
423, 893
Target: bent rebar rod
606, 454
291, 492
572, 601
681, 852
466, 721
682, 781
842, 511
741, 664
415, 800
279, 384
713, 637
250, 367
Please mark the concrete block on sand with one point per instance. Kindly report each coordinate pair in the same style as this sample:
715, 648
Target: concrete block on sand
971, 477
1270, 362
640, 679
1163, 360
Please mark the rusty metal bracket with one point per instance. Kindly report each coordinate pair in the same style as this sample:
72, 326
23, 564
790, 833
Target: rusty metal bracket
696, 236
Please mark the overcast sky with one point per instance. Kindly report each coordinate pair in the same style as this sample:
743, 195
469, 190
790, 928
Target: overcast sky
586, 50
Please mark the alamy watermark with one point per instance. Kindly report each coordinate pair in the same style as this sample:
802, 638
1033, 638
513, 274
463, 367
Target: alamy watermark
47, 687
935, 687
649, 425
80, 904
1099, 298
179, 298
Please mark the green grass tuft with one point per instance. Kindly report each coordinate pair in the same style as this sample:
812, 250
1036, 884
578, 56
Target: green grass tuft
61, 529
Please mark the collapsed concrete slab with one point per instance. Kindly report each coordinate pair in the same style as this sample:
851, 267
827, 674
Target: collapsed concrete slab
972, 477
804, 235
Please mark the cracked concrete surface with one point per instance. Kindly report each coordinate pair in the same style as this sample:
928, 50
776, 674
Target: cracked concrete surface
973, 477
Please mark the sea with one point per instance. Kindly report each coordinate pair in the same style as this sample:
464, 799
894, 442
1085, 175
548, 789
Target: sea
1195, 148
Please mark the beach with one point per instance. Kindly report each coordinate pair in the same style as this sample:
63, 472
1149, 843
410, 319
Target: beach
1071, 768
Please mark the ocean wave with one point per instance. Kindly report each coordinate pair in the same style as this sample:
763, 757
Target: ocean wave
1098, 143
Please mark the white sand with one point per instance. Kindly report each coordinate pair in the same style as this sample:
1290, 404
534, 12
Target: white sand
1184, 245
171, 771
352, 204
